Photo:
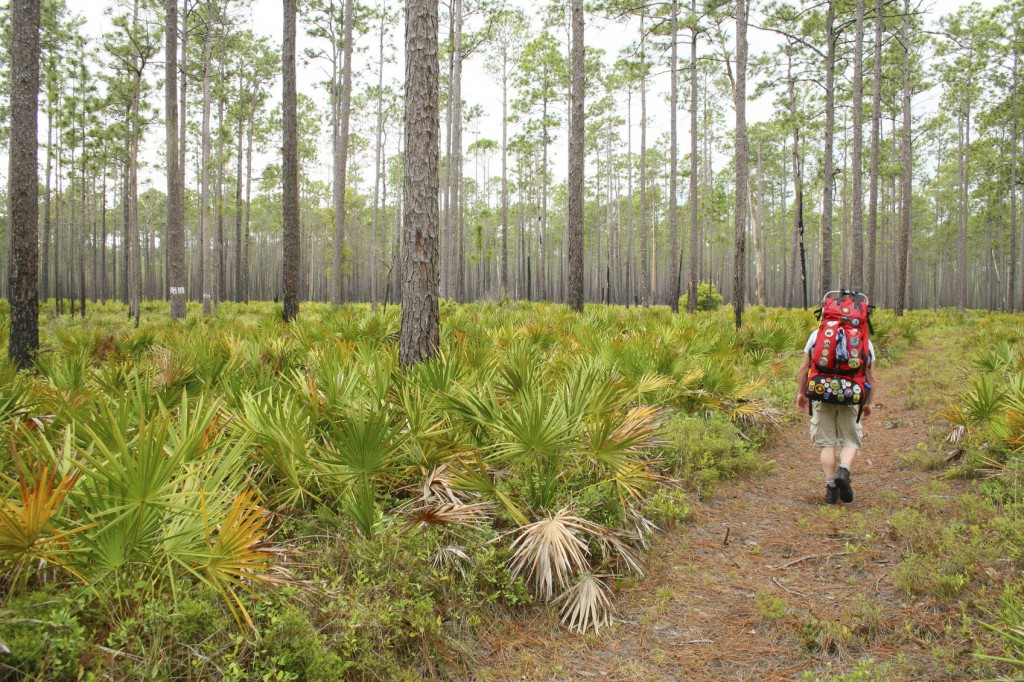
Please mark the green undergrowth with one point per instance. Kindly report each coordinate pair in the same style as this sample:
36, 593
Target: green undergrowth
236, 498
961, 550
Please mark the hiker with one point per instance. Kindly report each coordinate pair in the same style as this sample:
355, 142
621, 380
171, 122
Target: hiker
835, 383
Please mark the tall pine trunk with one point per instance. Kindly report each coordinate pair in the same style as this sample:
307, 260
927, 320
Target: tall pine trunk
175, 174
23, 184
419, 337
574, 219
742, 163
290, 168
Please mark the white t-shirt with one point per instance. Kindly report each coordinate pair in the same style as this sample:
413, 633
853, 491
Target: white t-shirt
809, 346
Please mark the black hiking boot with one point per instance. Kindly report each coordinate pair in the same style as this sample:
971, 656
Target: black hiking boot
843, 485
831, 494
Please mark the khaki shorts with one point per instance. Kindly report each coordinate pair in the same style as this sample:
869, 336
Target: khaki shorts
835, 426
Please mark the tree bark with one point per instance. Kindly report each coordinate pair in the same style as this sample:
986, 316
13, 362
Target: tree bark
23, 184
419, 337
175, 174
574, 218
290, 168
742, 163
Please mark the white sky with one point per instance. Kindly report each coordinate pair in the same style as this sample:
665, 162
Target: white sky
478, 87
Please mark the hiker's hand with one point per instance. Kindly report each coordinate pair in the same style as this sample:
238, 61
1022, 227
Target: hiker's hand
867, 412
801, 401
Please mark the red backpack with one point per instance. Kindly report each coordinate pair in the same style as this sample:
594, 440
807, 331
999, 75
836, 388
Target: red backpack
840, 356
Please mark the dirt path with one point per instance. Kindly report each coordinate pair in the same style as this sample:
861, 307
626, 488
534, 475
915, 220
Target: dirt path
800, 591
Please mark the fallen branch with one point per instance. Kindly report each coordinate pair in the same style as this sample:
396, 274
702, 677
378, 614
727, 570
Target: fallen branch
779, 583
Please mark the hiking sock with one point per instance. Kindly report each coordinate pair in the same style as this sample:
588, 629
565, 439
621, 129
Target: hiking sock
830, 481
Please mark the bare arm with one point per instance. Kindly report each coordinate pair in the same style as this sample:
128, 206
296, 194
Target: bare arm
801, 382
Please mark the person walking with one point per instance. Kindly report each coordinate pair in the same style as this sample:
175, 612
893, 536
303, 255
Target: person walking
835, 384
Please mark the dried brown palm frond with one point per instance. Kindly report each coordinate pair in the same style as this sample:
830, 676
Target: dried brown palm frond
638, 429
956, 439
587, 604
636, 527
550, 551
437, 488
1007, 471
451, 557
468, 515
616, 550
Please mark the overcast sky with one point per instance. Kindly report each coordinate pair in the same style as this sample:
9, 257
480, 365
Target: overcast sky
478, 87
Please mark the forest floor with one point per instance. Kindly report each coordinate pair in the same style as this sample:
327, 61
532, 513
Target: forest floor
767, 582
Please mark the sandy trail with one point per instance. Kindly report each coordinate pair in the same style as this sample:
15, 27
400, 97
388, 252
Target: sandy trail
801, 591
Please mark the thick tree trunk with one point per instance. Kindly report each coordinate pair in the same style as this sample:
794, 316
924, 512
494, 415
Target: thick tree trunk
290, 188
419, 334
23, 184
574, 219
175, 172
742, 163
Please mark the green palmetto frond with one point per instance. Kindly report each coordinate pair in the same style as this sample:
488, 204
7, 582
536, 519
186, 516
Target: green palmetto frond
549, 552
363, 450
536, 426
282, 433
587, 604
